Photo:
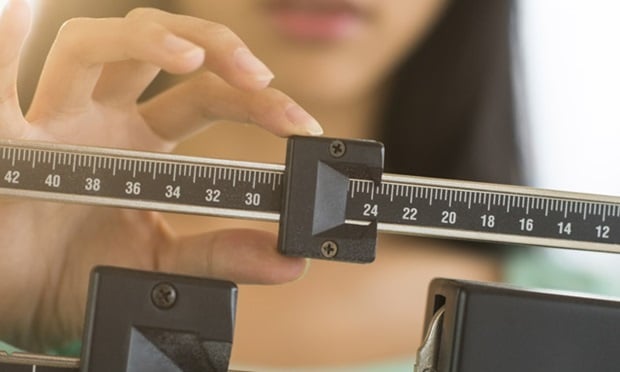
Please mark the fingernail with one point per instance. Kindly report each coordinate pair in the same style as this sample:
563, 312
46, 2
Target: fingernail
247, 62
298, 116
306, 269
178, 45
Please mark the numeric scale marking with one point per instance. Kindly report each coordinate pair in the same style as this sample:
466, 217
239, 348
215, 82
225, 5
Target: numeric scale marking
400, 204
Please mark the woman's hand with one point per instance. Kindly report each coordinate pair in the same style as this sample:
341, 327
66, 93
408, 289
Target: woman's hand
87, 94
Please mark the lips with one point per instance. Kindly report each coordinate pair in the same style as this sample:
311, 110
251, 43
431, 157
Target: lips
317, 20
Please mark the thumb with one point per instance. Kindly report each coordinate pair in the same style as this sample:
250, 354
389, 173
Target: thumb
240, 255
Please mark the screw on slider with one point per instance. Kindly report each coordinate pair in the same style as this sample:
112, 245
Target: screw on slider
329, 249
337, 148
164, 295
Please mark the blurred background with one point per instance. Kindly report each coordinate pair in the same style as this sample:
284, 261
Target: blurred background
570, 89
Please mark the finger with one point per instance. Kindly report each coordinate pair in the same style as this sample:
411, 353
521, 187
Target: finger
194, 104
122, 83
14, 27
240, 255
83, 45
225, 53
146, 35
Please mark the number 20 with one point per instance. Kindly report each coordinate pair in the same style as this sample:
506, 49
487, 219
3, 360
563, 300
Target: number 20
448, 217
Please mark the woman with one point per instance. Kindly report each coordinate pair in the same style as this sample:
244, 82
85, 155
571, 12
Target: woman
430, 78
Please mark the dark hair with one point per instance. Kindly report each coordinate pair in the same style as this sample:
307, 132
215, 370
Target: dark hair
451, 112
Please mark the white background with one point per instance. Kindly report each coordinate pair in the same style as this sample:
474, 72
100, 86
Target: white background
571, 56
571, 53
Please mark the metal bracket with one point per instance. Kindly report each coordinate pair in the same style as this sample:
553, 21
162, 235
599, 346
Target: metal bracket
140, 321
426, 358
312, 220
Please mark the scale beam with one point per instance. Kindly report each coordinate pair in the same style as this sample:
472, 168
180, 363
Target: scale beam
398, 204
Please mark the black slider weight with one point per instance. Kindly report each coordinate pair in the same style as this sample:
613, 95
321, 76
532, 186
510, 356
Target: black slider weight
312, 219
139, 321
491, 327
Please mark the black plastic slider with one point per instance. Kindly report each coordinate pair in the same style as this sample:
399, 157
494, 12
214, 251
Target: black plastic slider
490, 328
312, 220
139, 321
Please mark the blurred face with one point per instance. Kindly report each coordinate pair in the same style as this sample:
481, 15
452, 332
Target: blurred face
325, 51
